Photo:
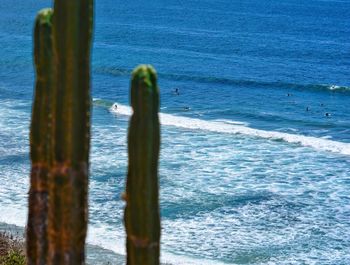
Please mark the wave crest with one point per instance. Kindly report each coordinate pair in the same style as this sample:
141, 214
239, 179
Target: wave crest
234, 128
229, 81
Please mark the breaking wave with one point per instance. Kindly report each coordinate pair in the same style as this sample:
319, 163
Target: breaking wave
219, 126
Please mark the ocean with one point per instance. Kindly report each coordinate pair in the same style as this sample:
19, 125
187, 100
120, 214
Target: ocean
255, 149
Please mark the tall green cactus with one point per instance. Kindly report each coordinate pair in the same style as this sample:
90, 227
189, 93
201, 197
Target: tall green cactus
142, 220
68, 185
40, 140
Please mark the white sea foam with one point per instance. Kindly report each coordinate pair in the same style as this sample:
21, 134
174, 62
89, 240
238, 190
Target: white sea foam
235, 193
335, 87
13, 215
224, 127
233, 122
112, 239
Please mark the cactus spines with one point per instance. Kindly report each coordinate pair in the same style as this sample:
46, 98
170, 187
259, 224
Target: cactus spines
68, 185
142, 219
40, 140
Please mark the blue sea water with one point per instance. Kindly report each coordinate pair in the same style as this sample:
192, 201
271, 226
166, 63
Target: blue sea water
252, 171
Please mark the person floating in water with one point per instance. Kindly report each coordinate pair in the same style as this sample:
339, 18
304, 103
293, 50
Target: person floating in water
327, 114
307, 108
177, 91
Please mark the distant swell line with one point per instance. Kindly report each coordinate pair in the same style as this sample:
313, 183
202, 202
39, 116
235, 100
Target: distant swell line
222, 127
228, 81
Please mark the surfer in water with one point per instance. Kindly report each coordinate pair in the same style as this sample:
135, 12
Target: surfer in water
176, 91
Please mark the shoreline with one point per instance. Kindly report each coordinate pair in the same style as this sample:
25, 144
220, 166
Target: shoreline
12, 248
93, 253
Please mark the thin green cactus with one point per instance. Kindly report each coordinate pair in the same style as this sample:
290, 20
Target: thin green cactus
37, 244
68, 180
142, 218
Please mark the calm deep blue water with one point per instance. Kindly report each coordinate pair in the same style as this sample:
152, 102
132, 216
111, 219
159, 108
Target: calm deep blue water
252, 170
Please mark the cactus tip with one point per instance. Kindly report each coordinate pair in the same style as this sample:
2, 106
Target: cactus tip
144, 70
45, 16
144, 78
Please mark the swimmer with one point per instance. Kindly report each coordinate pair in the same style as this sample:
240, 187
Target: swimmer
176, 91
327, 114
307, 108
186, 108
